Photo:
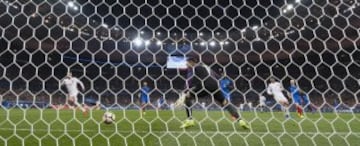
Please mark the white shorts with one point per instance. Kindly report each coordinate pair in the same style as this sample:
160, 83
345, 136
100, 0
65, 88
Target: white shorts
262, 104
73, 94
280, 97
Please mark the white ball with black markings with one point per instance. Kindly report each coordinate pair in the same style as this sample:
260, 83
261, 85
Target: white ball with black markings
108, 117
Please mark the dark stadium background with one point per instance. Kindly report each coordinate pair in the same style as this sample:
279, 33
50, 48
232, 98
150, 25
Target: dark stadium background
314, 43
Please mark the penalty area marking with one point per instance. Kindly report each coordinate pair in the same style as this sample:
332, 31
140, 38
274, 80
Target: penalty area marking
181, 132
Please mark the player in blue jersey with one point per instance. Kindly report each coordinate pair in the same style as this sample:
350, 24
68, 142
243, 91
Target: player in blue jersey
299, 98
226, 86
144, 97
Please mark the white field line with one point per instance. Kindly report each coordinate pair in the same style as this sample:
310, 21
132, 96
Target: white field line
181, 132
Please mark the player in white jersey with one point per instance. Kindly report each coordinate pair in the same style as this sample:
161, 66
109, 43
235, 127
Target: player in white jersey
71, 83
276, 90
262, 104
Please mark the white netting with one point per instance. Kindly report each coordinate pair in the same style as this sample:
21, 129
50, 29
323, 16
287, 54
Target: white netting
114, 46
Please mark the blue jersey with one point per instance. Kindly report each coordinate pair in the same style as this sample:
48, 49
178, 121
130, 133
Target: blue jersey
144, 97
295, 93
225, 84
298, 98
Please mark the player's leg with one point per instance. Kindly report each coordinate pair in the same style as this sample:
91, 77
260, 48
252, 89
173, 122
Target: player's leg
77, 104
307, 103
188, 108
219, 97
144, 101
281, 99
69, 102
299, 109
73, 99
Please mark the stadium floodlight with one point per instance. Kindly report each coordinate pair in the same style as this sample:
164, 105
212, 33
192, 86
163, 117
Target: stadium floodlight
158, 43
138, 41
72, 5
212, 43
147, 42
202, 43
297, 1
288, 8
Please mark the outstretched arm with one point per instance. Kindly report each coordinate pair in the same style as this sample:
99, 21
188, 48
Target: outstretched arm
81, 84
268, 91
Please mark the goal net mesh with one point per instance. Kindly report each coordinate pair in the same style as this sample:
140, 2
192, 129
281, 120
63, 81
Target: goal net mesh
113, 46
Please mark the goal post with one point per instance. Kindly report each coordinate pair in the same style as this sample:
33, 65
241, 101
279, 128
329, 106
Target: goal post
131, 56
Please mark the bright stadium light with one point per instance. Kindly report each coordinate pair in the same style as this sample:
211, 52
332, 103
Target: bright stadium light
137, 41
212, 43
147, 42
202, 43
298, 1
158, 43
71, 4
76, 8
288, 8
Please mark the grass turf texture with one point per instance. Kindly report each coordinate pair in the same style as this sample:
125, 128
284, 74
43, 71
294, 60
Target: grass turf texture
66, 127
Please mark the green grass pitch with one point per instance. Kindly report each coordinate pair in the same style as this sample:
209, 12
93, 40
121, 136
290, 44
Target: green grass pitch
66, 127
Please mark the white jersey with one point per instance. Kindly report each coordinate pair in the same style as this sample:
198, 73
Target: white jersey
276, 89
71, 85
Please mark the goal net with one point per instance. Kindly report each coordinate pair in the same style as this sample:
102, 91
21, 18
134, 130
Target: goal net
114, 46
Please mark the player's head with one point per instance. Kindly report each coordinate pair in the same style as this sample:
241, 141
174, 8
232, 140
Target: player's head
69, 75
221, 72
292, 82
191, 61
145, 83
272, 80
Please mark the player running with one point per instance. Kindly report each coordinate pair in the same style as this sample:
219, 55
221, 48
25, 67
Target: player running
71, 83
144, 97
299, 98
201, 77
276, 90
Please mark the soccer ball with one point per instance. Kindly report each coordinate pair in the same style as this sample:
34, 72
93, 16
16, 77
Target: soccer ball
108, 117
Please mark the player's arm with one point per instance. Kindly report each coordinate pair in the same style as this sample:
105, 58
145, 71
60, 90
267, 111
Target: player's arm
268, 90
81, 84
230, 85
289, 94
62, 82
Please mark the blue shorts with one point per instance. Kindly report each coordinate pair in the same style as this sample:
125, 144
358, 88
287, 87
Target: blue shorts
227, 96
297, 100
301, 100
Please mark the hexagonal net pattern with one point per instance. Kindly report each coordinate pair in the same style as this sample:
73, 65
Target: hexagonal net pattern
113, 47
